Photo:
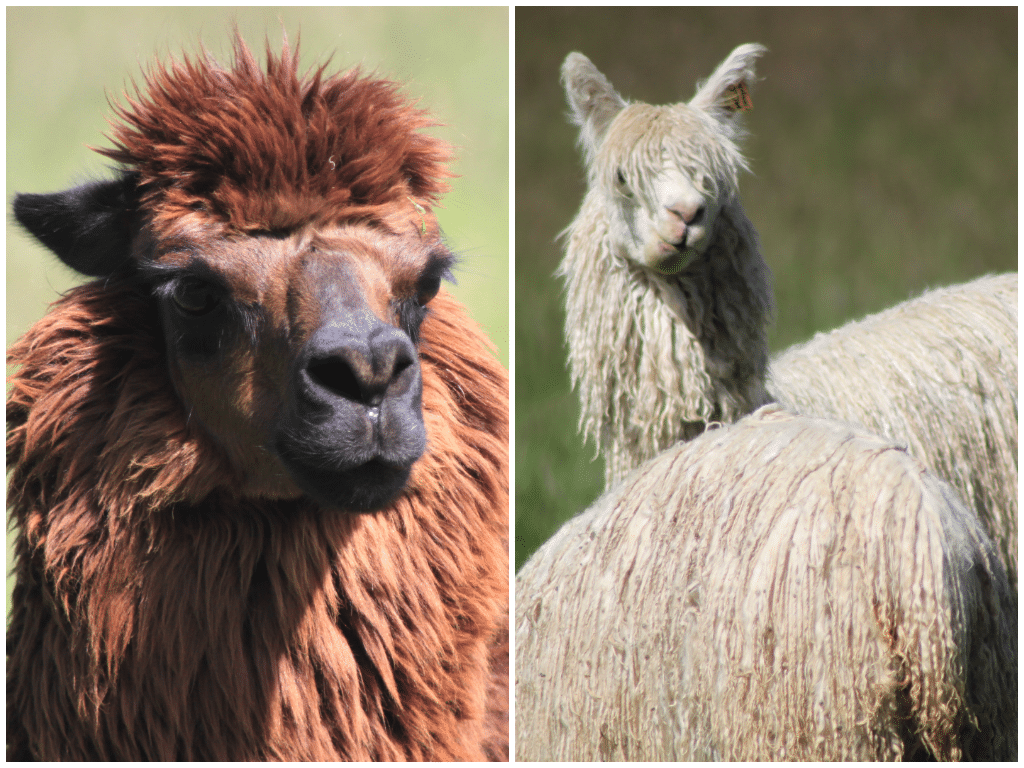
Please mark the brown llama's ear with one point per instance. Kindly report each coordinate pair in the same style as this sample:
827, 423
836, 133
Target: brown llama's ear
89, 227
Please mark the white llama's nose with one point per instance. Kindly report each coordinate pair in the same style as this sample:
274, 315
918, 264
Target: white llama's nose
689, 213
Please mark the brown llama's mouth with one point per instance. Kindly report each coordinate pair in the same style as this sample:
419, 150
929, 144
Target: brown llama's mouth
368, 487
356, 471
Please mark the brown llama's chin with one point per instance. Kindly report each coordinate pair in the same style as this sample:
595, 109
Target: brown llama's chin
368, 487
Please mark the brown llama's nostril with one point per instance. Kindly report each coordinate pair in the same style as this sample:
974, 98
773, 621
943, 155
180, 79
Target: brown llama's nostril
336, 374
362, 371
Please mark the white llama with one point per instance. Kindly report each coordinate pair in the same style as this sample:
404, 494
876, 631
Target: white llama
668, 299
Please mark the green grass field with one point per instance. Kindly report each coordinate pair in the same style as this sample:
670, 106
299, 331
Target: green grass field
884, 154
63, 64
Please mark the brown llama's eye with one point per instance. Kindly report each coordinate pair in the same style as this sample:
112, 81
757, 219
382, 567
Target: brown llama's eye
427, 289
429, 282
195, 297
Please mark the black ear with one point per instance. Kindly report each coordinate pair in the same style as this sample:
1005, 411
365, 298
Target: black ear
89, 227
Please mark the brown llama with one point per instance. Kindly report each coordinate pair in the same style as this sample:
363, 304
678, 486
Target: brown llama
259, 468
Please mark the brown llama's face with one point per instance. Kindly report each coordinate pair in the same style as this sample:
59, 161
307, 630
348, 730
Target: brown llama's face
297, 354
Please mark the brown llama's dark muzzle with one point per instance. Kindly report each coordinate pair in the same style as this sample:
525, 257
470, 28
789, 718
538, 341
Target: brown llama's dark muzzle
353, 423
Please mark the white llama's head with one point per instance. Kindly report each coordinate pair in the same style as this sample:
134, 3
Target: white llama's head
664, 172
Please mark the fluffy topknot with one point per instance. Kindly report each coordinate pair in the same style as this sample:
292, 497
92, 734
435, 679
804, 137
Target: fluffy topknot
273, 150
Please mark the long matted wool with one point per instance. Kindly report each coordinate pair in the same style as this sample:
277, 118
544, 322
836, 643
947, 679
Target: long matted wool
938, 372
782, 588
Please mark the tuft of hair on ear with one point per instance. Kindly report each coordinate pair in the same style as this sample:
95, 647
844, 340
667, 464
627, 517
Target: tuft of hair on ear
90, 227
592, 99
727, 91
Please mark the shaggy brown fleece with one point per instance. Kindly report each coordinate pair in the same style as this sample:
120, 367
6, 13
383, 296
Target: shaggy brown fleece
147, 626
159, 614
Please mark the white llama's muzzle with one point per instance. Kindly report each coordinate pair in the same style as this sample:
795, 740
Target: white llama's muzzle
679, 222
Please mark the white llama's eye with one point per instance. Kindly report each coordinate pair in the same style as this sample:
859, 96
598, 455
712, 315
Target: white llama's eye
620, 177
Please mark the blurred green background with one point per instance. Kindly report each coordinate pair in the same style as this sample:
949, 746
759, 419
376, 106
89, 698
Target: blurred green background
64, 63
884, 154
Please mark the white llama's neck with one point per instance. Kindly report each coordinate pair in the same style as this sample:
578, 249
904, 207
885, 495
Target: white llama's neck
724, 301
656, 359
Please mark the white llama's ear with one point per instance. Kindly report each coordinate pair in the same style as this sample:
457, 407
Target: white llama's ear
727, 91
593, 101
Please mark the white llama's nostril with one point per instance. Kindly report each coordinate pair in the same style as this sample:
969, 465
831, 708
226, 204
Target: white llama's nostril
689, 214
